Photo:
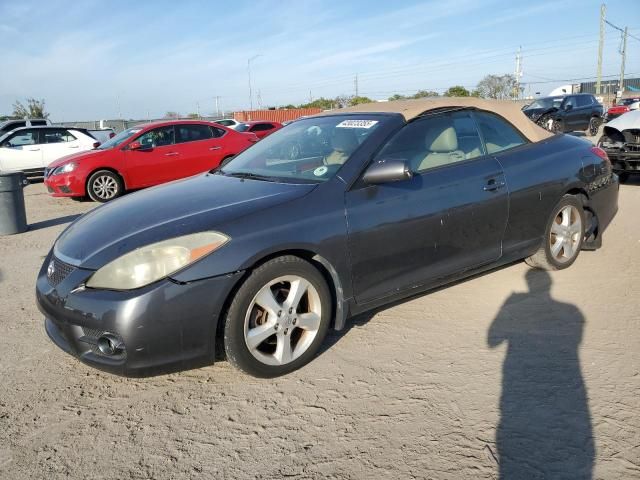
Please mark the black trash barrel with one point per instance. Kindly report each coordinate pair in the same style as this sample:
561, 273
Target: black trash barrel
13, 217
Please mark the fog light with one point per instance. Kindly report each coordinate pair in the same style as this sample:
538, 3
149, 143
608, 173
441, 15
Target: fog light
109, 344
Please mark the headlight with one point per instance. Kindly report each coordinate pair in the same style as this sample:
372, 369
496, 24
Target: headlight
153, 262
66, 168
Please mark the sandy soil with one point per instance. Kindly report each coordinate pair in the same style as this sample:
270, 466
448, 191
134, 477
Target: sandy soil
466, 382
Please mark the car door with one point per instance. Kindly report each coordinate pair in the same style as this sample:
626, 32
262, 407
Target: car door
449, 217
261, 129
570, 114
21, 151
57, 143
155, 161
585, 108
200, 147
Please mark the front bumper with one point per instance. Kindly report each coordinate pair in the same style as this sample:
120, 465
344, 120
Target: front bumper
65, 185
625, 158
164, 327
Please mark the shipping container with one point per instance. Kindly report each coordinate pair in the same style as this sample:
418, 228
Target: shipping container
280, 115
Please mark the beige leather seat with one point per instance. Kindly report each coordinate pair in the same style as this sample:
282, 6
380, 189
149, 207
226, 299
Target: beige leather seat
344, 142
442, 146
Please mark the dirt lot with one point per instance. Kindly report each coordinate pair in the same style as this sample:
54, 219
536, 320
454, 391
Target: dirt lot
543, 370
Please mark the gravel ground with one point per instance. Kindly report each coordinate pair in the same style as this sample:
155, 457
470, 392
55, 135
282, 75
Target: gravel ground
507, 369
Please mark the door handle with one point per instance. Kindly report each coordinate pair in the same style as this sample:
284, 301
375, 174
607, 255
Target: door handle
215, 148
492, 185
74, 146
34, 149
171, 154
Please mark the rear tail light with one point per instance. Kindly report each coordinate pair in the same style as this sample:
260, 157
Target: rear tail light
96, 144
601, 153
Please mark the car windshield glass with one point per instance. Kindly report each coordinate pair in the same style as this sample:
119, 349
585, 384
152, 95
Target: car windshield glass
119, 138
307, 151
548, 102
628, 101
241, 127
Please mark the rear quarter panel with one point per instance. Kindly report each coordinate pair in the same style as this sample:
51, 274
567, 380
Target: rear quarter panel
538, 175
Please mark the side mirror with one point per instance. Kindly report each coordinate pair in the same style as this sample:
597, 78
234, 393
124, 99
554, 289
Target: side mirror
386, 171
135, 146
568, 107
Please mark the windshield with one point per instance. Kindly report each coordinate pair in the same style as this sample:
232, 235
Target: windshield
307, 151
119, 138
545, 103
628, 101
241, 127
226, 123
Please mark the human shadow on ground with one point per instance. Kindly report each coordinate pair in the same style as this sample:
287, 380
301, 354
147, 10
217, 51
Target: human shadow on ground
545, 425
53, 222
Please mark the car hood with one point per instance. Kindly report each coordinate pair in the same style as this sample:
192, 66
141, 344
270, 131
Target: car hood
537, 112
179, 208
626, 121
79, 156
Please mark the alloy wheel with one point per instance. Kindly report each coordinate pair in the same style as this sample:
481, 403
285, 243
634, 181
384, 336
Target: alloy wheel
564, 237
282, 320
105, 187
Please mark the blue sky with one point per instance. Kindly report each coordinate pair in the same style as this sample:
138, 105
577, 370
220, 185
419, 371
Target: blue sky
92, 59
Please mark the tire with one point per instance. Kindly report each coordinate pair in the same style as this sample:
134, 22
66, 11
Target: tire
276, 327
594, 126
570, 237
104, 185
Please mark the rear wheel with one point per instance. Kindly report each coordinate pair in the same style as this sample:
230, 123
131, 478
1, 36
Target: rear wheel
563, 236
104, 185
278, 318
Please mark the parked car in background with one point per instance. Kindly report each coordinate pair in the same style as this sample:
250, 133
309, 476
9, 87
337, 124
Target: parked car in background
567, 113
266, 254
143, 156
623, 105
103, 135
621, 141
260, 128
229, 123
9, 125
31, 149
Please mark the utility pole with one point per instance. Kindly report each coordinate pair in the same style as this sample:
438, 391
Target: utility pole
249, 74
518, 74
217, 105
623, 52
603, 11
310, 97
355, 81
198, 109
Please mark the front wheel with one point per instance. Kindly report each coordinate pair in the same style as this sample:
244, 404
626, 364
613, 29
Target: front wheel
563, 236
594, 126
278, 318
104, 185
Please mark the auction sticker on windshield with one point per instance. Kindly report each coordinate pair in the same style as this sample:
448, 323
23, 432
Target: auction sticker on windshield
357, 124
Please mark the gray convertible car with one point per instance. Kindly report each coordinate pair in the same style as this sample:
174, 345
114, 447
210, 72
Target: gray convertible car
262, 256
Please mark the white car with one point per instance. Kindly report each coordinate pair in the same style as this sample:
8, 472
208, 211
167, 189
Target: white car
228, 122
31, 149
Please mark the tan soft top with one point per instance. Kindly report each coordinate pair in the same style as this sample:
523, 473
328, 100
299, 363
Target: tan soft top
410, 109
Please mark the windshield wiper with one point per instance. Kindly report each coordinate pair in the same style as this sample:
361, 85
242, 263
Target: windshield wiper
251, 175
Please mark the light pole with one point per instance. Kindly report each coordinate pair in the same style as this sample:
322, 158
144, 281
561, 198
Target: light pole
249, 74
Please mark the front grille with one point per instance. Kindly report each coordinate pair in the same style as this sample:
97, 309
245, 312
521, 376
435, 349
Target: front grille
91, 336
57, 271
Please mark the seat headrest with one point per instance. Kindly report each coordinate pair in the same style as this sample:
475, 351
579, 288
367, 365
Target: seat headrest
441, 138
344, 140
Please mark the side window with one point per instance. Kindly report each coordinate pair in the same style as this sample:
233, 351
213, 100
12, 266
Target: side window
570, 101
217, 132
499, 135
21, 138
192, 133
56, 136
435, 141
583, 100
158, 137
38, 123
261, 127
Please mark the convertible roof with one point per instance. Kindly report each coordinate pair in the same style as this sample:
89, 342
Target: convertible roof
410, 109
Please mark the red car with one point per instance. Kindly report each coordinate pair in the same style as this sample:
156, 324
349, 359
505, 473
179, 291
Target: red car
261, 128
143, 156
